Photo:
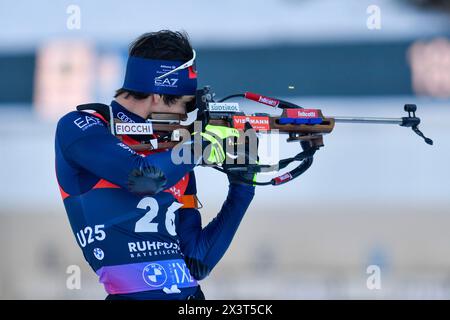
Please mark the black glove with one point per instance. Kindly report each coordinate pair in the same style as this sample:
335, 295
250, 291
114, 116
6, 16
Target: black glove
249, 156
234, 177
149, 180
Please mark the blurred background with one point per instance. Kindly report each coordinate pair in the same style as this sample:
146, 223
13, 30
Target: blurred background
375, 196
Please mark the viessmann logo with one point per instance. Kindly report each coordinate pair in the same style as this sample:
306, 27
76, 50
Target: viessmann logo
257, 122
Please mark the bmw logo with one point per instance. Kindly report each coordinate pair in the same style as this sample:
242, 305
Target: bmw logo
154, 275
99, 254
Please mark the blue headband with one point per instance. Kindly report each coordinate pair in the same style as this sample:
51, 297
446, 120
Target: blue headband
141, 74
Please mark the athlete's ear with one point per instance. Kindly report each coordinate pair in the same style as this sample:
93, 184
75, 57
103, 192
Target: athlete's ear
152, 102
156, 98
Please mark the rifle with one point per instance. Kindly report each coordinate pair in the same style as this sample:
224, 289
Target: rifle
306, 126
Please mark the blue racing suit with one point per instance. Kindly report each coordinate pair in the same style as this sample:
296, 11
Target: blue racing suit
141, 246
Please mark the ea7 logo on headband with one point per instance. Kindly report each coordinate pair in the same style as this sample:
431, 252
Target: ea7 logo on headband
166, 82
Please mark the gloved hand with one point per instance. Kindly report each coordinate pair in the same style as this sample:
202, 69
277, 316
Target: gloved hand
214, 140
148, 181
245, 156
233, 178
215, 136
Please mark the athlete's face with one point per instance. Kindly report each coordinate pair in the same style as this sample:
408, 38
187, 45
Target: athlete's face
178, 107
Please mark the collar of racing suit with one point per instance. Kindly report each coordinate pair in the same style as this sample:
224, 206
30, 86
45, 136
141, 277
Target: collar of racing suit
124, 115
121, 113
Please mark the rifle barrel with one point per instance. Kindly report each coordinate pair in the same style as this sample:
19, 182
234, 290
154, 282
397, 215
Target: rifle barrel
368, 120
